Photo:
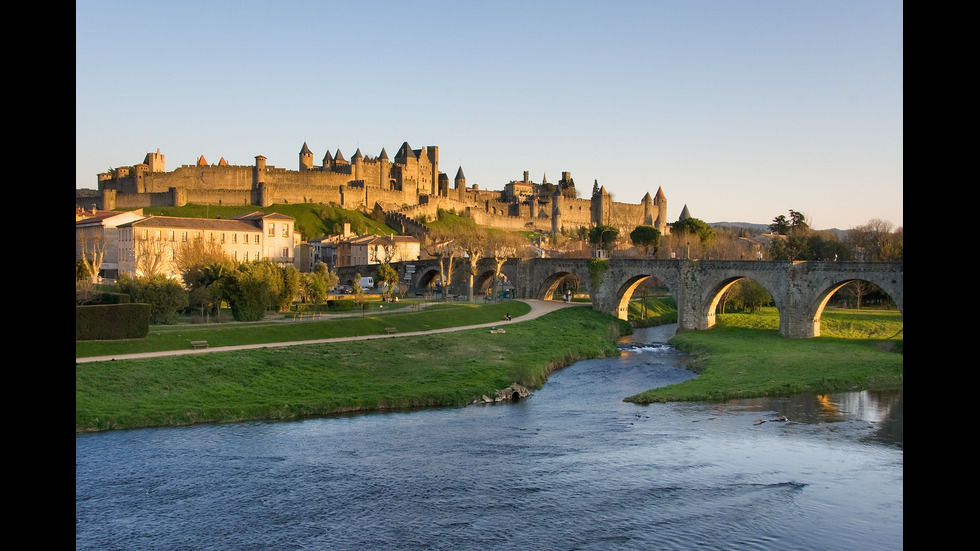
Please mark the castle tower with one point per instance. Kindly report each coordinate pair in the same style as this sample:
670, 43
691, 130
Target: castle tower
327, 161
601, 204
660, 201
305, 158
357, 161
384, 173
443, 184
461, 184
557, 205
258, 173
155, 161
647, 203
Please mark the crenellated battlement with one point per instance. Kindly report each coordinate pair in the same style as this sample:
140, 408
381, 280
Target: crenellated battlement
411, 178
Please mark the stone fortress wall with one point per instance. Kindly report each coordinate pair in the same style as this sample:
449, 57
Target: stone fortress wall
410, 184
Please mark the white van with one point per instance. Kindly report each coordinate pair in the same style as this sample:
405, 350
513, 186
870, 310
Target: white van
367, 283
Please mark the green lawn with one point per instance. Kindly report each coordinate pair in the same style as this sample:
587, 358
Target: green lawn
178, 337
744, 356
442, 369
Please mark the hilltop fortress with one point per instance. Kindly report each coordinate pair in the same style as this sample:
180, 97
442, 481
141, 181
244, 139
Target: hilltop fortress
408, 187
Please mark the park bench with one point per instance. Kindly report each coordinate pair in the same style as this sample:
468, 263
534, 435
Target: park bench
199, 344
391, 330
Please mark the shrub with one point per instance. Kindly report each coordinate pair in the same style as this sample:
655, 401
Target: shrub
112, 321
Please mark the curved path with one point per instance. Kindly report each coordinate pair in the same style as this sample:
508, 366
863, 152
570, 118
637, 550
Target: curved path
538, 309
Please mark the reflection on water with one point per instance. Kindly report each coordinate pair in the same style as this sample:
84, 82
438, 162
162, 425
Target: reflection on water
571, 467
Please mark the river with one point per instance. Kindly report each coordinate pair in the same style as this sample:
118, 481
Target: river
570, 467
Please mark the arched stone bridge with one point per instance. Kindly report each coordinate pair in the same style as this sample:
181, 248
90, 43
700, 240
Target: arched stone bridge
799, 290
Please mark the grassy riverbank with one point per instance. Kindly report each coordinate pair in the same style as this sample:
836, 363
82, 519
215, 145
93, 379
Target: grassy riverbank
432, 316
744, 356
442, 369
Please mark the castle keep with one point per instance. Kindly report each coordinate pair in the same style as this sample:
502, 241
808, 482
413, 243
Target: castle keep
407, 187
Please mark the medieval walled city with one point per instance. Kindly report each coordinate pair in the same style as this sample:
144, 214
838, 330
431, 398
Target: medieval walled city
406, 186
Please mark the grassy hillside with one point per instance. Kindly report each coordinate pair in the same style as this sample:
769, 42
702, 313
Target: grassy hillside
312, 219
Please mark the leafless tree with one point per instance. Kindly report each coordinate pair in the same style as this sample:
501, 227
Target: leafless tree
93, 251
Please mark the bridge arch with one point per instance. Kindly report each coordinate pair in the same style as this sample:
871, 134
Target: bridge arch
546, 291
629, 287
717, 293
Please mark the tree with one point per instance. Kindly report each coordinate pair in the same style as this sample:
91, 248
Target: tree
388, 277
603, 236
475, 243
313, 289
151, 256
503, 246
165, 296
92, 252
781, 226
443, 245
693, 228
330, 279
647, 238
359, 297
290, 287
875, 242
205, 284
248, 293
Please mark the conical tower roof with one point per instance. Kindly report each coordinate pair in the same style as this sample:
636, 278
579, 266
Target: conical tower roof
305, 150
685, 214
459, 174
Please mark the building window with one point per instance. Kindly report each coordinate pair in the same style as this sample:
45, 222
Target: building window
257, 239
171, 236
272, 230
234, 238
285, 230
184, 237
222, 237
285, 252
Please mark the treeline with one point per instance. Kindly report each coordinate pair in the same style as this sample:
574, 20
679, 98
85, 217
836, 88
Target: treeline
790, 238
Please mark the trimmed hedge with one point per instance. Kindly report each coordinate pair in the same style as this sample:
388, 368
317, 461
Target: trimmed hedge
341, 304
112, 321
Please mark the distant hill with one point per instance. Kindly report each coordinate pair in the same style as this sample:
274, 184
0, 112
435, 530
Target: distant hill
762, 228
752, 228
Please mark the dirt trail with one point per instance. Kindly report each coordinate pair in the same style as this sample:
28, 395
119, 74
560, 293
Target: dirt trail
538, 309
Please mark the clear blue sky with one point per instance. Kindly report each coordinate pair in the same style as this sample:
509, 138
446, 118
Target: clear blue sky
741, 110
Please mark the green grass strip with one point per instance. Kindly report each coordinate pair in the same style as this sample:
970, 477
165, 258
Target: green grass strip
745, 357
440, 369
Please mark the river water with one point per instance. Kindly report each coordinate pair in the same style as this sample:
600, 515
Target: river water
570, 467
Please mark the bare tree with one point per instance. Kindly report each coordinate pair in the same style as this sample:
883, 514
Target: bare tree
151, 256
476, 244
93, 251
502, 246
444, 246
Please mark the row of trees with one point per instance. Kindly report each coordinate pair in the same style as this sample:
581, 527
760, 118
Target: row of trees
791, 238
464, 246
